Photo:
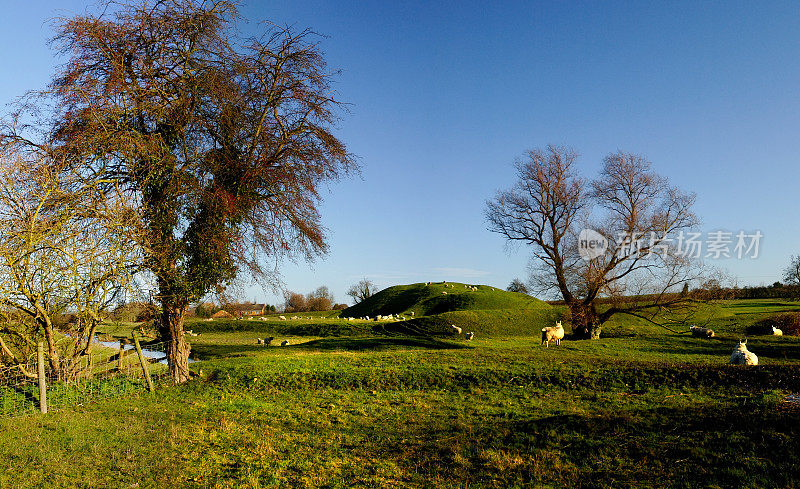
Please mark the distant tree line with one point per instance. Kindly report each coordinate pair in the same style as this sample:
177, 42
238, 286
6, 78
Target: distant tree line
320, 299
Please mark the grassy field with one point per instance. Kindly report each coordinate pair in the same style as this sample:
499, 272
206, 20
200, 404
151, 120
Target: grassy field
360, 404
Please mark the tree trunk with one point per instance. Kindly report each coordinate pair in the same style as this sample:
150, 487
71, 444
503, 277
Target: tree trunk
585, 321
172, 317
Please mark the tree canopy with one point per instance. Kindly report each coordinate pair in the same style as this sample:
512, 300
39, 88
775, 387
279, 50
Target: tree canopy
219, 142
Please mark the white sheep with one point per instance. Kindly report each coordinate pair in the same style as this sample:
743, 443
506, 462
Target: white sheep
776, 331
282, 318
701, 332
742, 356
551, 333
469, 336
456, 329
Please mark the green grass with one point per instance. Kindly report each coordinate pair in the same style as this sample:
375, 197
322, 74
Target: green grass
643, 407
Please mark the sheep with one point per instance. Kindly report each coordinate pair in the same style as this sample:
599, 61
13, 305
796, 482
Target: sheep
412, 313
267, 341
444, 293
551, 333
776, 331
259, 341
742, 356
285, 343
282, 318
456, 329
469, 336
701, 332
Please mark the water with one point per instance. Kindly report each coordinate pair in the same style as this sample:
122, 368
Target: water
154, 354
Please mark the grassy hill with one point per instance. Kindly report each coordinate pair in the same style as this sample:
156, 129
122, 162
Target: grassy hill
485, 311
427, 300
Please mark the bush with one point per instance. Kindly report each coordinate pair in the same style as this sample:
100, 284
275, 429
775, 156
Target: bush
788, 322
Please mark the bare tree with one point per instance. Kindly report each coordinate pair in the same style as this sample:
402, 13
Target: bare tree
362, 290
294, 302
610, 240
221, 142
61, 249
517, 285
791, 274
320, 299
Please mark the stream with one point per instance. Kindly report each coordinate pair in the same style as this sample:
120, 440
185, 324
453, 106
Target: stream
154, 354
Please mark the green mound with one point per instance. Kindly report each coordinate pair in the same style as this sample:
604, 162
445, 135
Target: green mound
485, 311
427, 300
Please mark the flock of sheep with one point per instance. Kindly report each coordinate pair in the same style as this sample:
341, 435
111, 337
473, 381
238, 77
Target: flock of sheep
740, 356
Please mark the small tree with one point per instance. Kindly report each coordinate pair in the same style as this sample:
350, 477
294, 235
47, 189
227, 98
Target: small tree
61, 249
517, 285
361, 290
791, 276
294, 302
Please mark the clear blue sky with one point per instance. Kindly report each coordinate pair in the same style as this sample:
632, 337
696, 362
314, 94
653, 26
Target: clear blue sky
446, 95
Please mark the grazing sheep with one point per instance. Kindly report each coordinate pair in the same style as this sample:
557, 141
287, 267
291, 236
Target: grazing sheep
285, 343
469, 336
295, 317
259, 341
456, 329
412, 313
444, 293
776, 331
267, 341
742, 356
551, 333
701, 332
282, 318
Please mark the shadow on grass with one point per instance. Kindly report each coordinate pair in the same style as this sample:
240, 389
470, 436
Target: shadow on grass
763, 347
378, 344
208, 352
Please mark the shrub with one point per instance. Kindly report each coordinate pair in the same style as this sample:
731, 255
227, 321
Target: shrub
788, 322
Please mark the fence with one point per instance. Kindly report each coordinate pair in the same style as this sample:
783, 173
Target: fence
107, 372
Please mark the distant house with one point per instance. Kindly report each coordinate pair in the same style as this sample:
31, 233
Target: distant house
253, 309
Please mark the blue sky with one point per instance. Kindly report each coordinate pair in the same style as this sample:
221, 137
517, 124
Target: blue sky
444, 96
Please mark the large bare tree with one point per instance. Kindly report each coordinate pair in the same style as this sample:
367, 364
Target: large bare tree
221, 141
611, 240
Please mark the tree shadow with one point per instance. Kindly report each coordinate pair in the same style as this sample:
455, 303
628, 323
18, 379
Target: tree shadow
208, 352
378, 344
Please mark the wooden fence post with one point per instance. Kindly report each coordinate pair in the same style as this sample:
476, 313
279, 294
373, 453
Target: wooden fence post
121, 352
143, 361
42, 379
